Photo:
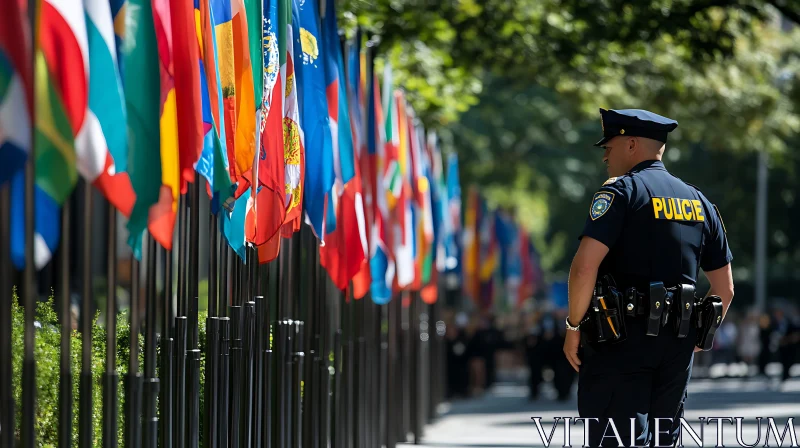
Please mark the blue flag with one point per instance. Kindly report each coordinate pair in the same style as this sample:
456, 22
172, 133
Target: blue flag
453, 238
313, 103
47, 224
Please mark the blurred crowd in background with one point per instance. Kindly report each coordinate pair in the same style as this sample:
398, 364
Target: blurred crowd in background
528, 344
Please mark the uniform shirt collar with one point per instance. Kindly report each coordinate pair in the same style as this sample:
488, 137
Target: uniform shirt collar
652, 164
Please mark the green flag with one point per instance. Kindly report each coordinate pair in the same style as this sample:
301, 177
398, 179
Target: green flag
142, 99
255, 33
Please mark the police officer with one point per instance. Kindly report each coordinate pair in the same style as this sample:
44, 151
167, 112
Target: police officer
644, 225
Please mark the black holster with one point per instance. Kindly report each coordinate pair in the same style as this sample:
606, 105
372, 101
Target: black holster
709, 318
685, 307
663, 302
605, 319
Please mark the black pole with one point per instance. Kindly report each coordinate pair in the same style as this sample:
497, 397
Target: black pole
213, 269
363, 381
182, 235
86, 392
65, 316
284, 384
110, 377
167, 355
299, 357
151, 382
273, 361
133, 424
236, 313
310, 407
7, 404
224, 384
29, 283
400, 387
413, 377
194, 264
349, 369
379, 403
324, 351
193, 354
299, 293
258, 369
181, 328
29, 300
338, 417
193, 422
222, 305
390, 383
179, 427
210, 429
211, 402
248, 368
233, 297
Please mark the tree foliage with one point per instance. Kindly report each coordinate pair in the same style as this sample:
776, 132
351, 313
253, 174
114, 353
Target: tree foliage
514, 87
443, 48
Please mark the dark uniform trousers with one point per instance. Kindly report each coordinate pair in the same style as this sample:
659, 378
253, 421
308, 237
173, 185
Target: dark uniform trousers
643, 377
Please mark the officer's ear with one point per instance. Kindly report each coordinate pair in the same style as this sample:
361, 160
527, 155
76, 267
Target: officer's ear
632, 145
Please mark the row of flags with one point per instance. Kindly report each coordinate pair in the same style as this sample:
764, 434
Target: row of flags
284, 119
499, 257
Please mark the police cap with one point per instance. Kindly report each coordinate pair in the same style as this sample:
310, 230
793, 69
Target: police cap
634, 123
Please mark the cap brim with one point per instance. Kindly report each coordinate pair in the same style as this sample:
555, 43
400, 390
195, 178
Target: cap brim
603, 141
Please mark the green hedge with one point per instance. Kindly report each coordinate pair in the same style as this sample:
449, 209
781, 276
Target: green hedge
47, 355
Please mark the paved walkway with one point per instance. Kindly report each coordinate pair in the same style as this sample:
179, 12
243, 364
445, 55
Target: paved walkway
502, 417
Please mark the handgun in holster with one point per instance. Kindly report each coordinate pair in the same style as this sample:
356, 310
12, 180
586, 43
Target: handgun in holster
709, 318
607, 318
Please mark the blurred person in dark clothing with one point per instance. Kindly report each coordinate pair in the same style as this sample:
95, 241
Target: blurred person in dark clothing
787, 333
764, 336
457, 357
488, 340
543, 349
536, 355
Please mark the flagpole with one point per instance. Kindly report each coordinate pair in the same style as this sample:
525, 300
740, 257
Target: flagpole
167, 355
86, 392
272, 361
324, 360
111, 377
224, 289
180, 337
7, 404
134, 377
151, 382
212, 330
298, 356
29, 275
193, 353
65, 316
29, 301
309, 406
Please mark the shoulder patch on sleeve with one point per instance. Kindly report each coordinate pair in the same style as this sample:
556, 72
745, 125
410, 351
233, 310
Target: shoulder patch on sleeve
610, 180
601, 202
719, 215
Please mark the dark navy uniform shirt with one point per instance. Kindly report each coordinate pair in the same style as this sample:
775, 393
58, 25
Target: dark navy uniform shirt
657, 228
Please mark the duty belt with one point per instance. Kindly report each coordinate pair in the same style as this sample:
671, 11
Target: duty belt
658, 303
609, 307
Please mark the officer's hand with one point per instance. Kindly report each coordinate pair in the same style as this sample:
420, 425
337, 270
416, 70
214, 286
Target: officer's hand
698, 349
571, 344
